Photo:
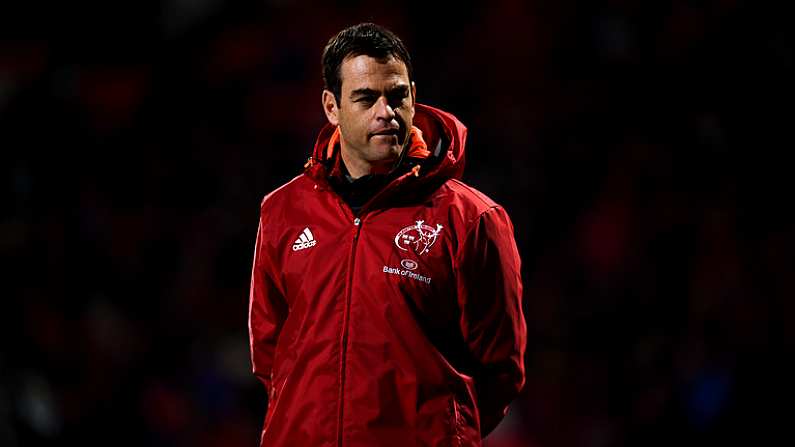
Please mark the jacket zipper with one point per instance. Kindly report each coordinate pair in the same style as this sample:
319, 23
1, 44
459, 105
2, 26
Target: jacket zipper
357, 222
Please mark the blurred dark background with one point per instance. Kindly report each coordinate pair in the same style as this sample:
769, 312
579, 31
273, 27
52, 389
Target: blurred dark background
639, 147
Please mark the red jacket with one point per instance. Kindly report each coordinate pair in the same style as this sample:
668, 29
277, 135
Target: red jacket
402, 327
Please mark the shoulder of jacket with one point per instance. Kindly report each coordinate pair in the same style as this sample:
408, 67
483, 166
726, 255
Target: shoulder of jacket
469, 197
286, 192
469, 204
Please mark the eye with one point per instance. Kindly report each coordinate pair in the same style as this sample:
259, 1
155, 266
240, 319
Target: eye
365, 100
396, 99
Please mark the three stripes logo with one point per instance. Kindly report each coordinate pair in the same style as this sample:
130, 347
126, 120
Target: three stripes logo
306, 240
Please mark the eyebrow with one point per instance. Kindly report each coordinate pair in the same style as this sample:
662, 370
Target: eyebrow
370, 92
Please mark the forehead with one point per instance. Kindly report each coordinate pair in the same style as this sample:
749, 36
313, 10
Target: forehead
365, 71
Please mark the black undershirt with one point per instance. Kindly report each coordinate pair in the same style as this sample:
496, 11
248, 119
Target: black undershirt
356, 192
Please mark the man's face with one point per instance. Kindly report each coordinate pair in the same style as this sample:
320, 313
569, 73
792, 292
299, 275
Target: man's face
376, 108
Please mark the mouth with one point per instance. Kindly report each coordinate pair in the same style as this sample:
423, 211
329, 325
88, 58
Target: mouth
385, 133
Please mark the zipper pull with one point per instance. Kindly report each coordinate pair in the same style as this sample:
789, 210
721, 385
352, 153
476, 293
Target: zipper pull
357, 221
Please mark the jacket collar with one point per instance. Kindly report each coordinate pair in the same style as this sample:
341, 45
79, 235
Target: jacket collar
435, 153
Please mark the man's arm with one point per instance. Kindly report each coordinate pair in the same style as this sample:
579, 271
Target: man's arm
492, 322
266, 314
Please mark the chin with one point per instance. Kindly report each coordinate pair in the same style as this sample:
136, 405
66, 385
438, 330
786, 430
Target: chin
383, 153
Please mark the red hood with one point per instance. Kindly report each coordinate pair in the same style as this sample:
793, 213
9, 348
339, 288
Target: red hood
442, 164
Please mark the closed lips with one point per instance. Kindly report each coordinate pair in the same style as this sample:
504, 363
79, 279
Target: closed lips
386, 132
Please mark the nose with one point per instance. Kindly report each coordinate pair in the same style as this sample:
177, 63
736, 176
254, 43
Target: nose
383, 110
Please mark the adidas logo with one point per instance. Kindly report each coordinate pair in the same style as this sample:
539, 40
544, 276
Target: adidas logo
306, 240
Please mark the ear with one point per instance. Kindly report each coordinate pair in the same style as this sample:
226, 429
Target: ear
330, 107
413, 95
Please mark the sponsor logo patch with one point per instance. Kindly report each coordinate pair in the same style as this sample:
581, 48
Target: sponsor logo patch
409, 264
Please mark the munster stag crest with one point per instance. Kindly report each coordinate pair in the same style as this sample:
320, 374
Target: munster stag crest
418, 238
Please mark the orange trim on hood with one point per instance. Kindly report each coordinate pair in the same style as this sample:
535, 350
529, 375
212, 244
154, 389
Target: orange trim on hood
417, 148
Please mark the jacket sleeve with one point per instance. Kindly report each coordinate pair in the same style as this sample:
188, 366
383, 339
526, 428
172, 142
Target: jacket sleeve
489, 288
266, 314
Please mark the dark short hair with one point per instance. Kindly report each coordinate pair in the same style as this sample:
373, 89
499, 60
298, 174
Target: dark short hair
366, 39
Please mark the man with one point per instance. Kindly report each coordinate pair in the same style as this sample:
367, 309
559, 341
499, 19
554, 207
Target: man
385, 305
